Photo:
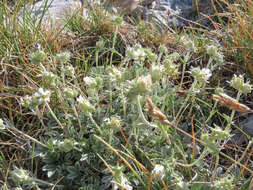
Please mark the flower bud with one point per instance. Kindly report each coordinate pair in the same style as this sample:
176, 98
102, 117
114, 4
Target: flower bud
70, 93
213, 52
171, 68
49, 77
238, 83
219, 134
63, 57
188, 43
156, 72
69, 70
152, 57
100, 44
90, 82
173, 57
143, 84
162, 49
201, 75
84, 104
118, 20
66, 145
38, 57
20, 176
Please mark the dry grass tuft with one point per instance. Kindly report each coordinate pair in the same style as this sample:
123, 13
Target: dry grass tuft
231, 103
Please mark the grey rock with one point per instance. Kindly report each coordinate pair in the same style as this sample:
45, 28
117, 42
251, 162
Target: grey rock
247, 125
51, 13
177, 12
164, 13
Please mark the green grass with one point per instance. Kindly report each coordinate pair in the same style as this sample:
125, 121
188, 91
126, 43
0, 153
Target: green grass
112, 105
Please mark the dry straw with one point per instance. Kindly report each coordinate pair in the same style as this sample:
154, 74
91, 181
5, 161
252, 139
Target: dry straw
231, 103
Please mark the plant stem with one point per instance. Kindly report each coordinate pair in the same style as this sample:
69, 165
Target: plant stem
204, 153
94, 122
216, 166
54, 116
27, 136
141, 113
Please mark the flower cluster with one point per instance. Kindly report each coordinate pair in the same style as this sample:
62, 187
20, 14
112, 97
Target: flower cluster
213, 52
159, 171
115, 74
38, 57
20, 176
39, 97
238, 83
201, 75
188, 43
156, 72
63, 57
120, 178
85, 105
42, 95
136, 53
70, 93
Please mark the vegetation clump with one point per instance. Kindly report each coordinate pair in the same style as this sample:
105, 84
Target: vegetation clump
109, 108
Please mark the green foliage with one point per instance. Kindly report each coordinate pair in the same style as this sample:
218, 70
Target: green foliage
102, 123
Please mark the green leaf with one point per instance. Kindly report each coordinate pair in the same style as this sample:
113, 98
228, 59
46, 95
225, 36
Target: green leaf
246, 185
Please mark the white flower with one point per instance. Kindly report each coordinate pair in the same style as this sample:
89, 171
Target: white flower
206, 73
84, 104
201, 75
188, 43
139, 55
2, 126
37, 47
42, 95
159, 170
136, 53
89, 81
123, 183
115, 74
26, 101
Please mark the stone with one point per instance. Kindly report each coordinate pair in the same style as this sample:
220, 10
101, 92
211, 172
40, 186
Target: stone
51, 13
126, 6
247, 125
164, 13
176, 12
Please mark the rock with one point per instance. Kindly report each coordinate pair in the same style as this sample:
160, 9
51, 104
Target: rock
52, 13
164, 13
247, 125
177, 12
126, 6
